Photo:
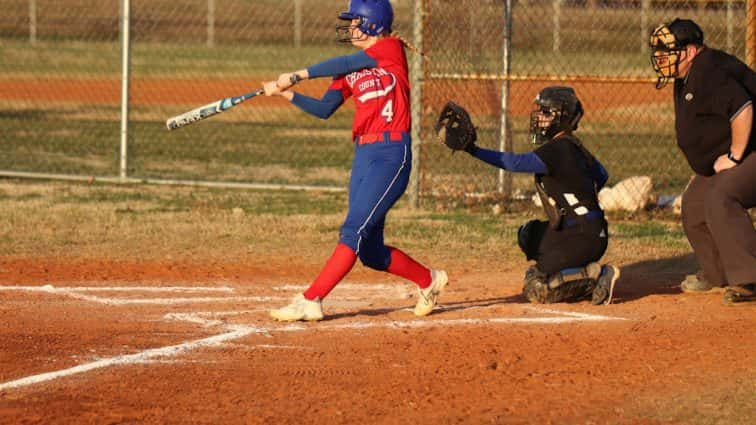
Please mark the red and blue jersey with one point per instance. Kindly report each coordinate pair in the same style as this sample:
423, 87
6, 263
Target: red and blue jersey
377, 79
381, 94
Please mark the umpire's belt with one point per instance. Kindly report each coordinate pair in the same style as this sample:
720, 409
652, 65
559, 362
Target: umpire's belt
386, 136
591, 215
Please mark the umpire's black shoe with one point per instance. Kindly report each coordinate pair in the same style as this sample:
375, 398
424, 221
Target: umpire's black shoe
740, 294
604, 290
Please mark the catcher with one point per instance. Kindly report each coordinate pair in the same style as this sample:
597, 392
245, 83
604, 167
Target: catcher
566, 248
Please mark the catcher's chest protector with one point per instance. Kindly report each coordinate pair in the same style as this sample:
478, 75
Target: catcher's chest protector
554, 213
568, 189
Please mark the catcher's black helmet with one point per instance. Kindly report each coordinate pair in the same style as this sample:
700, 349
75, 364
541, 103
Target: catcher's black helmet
556, 109
668, 42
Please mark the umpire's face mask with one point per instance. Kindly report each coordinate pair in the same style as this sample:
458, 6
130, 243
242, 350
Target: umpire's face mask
666, 54
666, 64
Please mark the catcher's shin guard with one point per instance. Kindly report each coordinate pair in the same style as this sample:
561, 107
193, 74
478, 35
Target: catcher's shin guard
537, 291
572, 291
590, 271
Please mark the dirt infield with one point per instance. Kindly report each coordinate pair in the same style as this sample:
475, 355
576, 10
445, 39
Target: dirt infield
123, 341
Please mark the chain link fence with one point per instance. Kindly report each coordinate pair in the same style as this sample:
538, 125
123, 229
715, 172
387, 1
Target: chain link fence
494, 56
61, 79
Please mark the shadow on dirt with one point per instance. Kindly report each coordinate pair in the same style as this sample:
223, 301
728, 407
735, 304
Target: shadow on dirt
441, 308
464, 305
650, 277
637, 280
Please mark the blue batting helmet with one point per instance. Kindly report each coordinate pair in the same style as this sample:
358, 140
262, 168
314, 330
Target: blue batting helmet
376, 16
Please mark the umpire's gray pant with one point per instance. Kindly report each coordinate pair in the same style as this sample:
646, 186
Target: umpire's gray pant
720, 230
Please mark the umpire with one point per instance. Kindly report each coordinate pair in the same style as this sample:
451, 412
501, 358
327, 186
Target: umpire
713, 94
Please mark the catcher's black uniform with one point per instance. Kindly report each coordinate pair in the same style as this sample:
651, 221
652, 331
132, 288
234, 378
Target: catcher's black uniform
567, 179
576, 235
580, 235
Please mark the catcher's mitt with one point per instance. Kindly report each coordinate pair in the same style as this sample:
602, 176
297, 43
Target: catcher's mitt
455, 128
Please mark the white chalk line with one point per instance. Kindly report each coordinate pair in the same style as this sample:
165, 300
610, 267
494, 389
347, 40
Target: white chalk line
169, 351
166, 301
239, 331
562, 317
445, 323
51, 288
147, 356
583, 316
74, 292
228, 313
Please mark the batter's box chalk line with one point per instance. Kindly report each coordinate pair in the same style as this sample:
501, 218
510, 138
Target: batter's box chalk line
231, 332
349, 294
82, 293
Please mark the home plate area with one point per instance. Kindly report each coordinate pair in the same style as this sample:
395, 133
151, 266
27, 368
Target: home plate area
231, 313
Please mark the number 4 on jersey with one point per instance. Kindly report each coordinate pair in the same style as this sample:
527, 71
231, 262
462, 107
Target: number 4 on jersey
388, 110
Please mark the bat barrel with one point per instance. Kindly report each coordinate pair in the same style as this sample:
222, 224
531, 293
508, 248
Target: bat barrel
208, 110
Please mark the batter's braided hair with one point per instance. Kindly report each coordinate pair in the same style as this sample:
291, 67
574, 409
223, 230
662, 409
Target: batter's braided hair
408, 44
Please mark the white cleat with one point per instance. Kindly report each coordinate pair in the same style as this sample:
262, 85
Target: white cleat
300, 309
429, 296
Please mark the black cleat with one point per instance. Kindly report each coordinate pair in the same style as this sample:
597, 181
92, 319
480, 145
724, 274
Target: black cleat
604, 290
739, 294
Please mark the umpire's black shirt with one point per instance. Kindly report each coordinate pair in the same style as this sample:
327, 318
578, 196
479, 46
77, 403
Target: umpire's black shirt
717, 88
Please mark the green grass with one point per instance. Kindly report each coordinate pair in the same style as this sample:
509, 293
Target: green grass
211, 150
312, 152
285, 203
154, 222
668, 234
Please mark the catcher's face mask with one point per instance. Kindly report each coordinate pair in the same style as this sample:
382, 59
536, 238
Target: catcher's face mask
556, 109
543, 123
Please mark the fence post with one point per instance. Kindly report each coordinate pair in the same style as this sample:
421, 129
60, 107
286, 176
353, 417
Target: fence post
728, 24
32, 21
210, 23
750, 41
126, 56
472, 33
505, 134
297, 23
645, 6
556, 20
416, 107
